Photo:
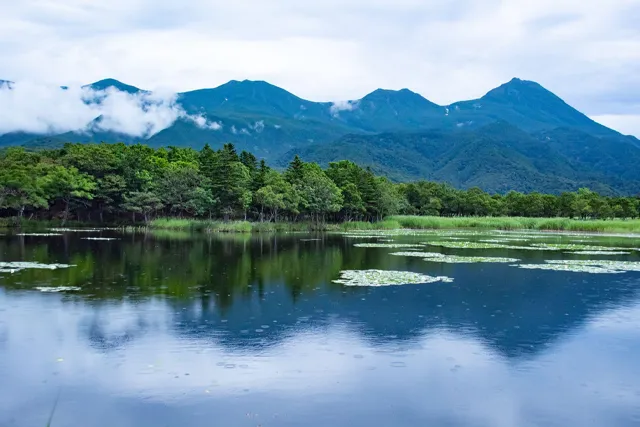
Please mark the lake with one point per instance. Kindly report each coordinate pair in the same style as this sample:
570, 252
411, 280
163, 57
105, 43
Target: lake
173, 329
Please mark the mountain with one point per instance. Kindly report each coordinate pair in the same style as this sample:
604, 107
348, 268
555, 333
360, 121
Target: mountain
527, 105
112, 84
518, 135
497, 157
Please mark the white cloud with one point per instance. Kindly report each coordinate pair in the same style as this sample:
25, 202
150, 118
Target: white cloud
39, 108
258, 126
587, 51
202, 122
339, 106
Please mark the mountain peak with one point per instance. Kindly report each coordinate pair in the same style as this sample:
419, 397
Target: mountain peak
517, 90
402, 96
112, 83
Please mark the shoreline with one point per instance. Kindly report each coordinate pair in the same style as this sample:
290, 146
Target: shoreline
617, 226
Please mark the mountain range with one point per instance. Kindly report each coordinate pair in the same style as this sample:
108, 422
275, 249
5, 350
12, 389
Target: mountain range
518, 136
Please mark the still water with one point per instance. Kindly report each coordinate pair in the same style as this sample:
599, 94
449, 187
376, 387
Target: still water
170, 329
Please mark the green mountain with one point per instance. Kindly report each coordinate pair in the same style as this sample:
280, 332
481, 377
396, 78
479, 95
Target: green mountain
497, 157
112, 84
519, 135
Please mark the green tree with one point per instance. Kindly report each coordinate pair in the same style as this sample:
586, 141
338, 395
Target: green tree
69, 186
145, 203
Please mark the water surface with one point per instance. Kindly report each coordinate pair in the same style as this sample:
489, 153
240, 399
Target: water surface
171, 329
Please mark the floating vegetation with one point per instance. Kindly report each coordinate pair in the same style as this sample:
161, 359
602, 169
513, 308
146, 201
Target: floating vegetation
99, 238
58, 288
456, 259
503, 240
615, 265
39, 234
13, 267
598, 253
483, 245
385, 278
385, 245
578, 247
573, 268
419, 254
585, 266
75, 230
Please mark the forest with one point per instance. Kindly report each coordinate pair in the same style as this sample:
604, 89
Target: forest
119, 183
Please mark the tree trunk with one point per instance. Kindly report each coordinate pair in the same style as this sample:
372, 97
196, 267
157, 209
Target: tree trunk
65, 215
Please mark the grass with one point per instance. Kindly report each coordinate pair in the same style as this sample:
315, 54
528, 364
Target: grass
390, 223
519, 223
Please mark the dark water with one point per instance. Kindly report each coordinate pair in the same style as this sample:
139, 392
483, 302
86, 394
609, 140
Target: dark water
175, 330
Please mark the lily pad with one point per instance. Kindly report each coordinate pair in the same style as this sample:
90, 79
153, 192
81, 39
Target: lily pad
385, 278
58, 289
454, 259
99, 238
482, 245
38, 234
13, 267
578, 247
598, 253
75, 230
585, 266
573, 268
385, 245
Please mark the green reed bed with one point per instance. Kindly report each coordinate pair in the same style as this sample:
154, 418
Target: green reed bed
519, 223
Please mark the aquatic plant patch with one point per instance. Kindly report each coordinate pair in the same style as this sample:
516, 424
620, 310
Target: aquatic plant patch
13, 267
482, 245
578, 247
572, 268
585, 266
456, 259
99, 238
58, 288
385, 245
75, 230
598, 253
612, 264
385, 278
38, 234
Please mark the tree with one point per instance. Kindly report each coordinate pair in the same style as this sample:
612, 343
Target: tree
68, 185
142, 202
319, 195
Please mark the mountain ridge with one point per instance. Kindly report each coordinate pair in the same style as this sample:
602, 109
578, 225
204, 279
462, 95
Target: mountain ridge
523, 133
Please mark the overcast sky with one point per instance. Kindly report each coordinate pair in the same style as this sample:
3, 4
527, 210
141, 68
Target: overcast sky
586, 51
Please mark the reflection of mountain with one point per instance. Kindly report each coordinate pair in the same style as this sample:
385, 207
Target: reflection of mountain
251, 292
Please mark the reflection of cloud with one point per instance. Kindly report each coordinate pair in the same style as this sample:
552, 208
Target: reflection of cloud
441, 378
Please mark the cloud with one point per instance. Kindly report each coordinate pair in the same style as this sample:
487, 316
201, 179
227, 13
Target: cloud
202, 122
339, 106
38, 108
258, 126
587, 51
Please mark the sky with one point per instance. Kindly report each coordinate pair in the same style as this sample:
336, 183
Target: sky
585, 51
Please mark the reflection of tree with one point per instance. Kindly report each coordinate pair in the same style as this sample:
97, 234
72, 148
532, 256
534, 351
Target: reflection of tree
284, 282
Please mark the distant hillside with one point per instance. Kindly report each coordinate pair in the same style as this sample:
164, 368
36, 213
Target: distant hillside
498, 157
519, 135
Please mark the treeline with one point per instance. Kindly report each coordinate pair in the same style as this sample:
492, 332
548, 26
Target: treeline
116, 182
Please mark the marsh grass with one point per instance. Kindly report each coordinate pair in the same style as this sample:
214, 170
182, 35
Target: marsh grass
519, 223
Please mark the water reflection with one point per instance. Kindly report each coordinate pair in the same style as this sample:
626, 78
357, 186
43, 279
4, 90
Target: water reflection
250, 331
